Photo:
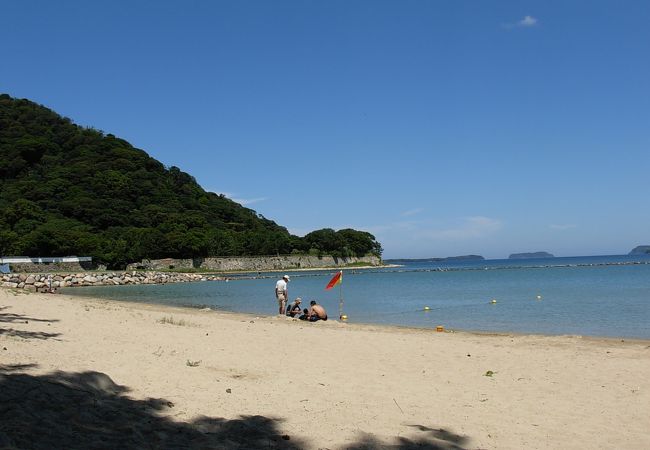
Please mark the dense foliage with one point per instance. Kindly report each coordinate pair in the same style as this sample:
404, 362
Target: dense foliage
69, 190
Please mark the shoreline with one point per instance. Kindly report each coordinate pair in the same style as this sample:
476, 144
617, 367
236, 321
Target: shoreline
366, 324
373, 326
185, 309
222, 379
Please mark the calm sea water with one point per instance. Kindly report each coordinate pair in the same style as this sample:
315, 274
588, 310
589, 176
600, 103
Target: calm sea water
597, 296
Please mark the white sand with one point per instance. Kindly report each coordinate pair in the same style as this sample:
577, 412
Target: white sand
353, 386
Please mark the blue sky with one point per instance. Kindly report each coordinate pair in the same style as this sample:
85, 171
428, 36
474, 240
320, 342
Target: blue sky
442, 127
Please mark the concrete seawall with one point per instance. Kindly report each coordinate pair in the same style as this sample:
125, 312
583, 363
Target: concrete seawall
233, 264
47, 277
258, 263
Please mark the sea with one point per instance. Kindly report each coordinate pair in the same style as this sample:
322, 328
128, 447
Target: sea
601, 296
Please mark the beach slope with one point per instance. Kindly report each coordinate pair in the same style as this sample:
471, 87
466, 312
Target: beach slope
87, 373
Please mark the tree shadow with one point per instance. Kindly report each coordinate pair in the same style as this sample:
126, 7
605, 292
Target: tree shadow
19, 318
13, 318
28, 334
88, 410
16, 367
430, 439
197, 262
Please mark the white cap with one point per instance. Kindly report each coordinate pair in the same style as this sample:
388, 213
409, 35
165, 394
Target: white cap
286, 277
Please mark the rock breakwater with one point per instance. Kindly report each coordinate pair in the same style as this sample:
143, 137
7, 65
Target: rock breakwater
50, 282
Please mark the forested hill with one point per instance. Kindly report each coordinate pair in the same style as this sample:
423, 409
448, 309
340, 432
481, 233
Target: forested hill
70, 190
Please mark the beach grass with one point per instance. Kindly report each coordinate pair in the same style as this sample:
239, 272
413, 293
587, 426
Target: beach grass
178, 322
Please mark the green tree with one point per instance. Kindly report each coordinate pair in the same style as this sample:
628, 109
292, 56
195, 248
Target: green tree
67, 190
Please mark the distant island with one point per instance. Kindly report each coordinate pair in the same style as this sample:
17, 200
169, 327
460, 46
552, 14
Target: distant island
640, 250
448, 258
531, 255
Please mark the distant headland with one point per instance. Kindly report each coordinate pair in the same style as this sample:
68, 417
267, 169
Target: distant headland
531, 255
71, 190
640, 250
448, 258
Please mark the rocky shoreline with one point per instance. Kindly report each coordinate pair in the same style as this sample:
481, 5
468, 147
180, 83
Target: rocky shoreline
51, 282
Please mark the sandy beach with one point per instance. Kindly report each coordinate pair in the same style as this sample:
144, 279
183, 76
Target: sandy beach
87, 373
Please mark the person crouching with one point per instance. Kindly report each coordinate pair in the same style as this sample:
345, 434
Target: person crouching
316, 312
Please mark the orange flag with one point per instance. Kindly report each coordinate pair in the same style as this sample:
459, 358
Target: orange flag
334, 281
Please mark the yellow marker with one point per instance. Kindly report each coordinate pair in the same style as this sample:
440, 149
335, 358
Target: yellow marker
426, 308
344, 317
493, 301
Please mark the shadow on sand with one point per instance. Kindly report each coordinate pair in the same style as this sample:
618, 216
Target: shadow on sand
88, 410
24, 334
428, 439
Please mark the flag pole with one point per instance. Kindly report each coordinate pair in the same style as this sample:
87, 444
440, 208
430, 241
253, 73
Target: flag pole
341, 297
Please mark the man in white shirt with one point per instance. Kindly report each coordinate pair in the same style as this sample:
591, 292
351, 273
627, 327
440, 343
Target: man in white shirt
282, 293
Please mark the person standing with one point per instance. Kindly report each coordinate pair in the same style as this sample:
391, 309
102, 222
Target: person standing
282, 293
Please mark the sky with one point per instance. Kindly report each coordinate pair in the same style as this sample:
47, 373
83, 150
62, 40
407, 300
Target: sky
442, 127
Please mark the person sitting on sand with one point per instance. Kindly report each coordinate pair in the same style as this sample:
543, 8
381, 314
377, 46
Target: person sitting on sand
316, 312
294, 308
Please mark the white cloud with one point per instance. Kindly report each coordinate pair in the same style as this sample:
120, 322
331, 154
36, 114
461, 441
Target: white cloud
241, 201
468, 228
528, 21
426, 238
567, 226
412, 212
248, 201
465, 228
